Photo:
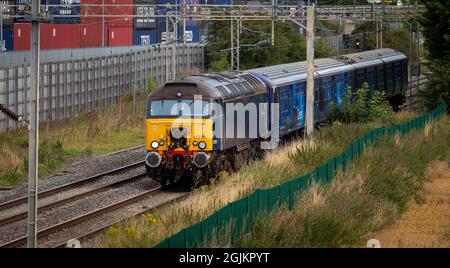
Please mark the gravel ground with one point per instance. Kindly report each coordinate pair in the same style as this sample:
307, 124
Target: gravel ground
77, 208
86, 167
107, 180
109, 219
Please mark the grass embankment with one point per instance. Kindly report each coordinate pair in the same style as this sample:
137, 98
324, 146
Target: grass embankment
426, 223
98, 133
373, 193
293, 160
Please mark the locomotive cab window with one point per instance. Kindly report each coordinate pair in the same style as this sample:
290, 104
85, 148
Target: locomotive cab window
176, 108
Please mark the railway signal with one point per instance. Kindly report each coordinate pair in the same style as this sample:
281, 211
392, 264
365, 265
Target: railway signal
357, 43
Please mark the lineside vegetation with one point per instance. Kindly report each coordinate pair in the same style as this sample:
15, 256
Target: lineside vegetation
294, 159
373, 193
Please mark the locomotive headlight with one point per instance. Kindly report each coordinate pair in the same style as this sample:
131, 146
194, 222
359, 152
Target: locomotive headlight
195, 143
155, 144
161, 143
202, 145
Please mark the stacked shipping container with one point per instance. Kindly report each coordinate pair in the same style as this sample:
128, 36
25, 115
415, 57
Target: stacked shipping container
120, 29
70, 31
8, 39
6, 31
118, 22
53, 36
144, 27
192, 26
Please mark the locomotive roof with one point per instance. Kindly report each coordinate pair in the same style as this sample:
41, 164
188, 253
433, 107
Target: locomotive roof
223, 85
297, 71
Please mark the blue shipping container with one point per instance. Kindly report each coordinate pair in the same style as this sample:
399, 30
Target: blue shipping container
163, 10
192, 32
23, 7
69, 11
8, 39
8, 12
144, 37
148, 21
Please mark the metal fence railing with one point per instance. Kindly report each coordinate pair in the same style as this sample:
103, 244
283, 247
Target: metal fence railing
240, 213
79, 81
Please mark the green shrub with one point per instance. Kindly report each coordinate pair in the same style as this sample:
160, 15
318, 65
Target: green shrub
11, 178
360, 107
151, 85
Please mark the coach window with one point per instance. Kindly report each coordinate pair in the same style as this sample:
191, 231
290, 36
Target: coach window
380, 78
360, 77
349, 81
398, 75
388, 76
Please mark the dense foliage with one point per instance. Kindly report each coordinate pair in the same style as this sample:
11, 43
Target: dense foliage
398, 39
436, 30
256, 49
359, 106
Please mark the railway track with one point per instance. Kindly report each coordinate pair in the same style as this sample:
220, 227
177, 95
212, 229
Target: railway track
412, 100
69, 193
84, 217
97, 214
72, 198
97, 230
58, 228
67, 186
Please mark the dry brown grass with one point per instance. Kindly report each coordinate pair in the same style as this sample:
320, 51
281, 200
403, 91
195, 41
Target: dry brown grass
426, 224
113, 129
276, 167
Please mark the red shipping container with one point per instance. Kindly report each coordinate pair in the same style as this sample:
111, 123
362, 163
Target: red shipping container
87, 8
62, 35
126, 12
91, 35
22, 36
120, 36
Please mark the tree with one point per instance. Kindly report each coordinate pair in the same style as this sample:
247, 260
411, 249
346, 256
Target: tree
436, 24
256, 49
398, 39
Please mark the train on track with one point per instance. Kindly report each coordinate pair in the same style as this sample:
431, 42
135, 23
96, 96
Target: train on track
203, 124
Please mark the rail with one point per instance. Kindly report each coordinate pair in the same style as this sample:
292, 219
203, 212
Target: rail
64, 187
61, 226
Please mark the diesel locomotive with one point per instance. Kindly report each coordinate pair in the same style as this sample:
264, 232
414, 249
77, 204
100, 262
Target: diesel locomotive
185, 137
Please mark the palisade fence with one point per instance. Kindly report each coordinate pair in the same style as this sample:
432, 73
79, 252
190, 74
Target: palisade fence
76, 81
237, 217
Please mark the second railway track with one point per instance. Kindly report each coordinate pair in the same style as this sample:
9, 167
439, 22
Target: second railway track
71, 185
85, 207
84, 217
